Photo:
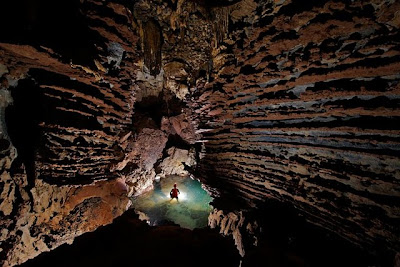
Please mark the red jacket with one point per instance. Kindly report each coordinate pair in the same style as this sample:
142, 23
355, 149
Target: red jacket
174, 192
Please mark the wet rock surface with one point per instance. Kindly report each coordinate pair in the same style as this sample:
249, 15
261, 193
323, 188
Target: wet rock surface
189, 210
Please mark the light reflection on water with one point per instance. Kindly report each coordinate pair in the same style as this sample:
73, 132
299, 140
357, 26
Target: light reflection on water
190, 211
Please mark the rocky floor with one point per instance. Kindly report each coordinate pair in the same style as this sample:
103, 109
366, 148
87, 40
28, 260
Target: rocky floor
131, 242
287, 241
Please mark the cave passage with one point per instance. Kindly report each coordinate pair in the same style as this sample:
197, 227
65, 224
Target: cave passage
190, 211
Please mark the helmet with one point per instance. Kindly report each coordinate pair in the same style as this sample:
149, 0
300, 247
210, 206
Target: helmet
174, 185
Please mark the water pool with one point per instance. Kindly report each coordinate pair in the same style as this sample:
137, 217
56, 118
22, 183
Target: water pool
190, 211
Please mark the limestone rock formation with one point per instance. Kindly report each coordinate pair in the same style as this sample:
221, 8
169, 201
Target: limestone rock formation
287, 100
83, 91
176, 162
303, 108
233, 224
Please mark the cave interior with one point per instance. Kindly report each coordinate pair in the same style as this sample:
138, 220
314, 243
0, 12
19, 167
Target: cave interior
278, 120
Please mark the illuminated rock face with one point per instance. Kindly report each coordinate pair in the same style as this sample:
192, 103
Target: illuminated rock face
289, 100
70, 106
304, 108
82, 99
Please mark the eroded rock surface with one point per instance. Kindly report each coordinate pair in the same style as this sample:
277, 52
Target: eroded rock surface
177, 162
287, 100
83, 91
231, 224
304, 108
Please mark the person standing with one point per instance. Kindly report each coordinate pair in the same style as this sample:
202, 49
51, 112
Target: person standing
174, 192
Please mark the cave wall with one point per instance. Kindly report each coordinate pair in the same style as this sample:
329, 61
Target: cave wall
304, 108
67, 97
68, 73
93, 104
287, 100
81, 103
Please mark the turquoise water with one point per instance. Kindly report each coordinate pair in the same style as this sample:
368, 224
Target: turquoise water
190, 211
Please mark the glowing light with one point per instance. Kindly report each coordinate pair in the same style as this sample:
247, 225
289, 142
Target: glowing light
182, 196
190, 210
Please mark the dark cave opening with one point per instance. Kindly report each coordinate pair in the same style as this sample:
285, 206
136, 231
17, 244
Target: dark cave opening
149, 111
22, 120
4, 144
175, 140
59, 25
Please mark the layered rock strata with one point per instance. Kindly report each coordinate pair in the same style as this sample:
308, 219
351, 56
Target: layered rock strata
69, 99
89, 110
304, 108
287, 100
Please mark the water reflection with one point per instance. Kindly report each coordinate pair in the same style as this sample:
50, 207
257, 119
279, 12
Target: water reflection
189, 211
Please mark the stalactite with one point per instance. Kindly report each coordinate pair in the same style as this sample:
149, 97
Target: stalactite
221, 24
152, 46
